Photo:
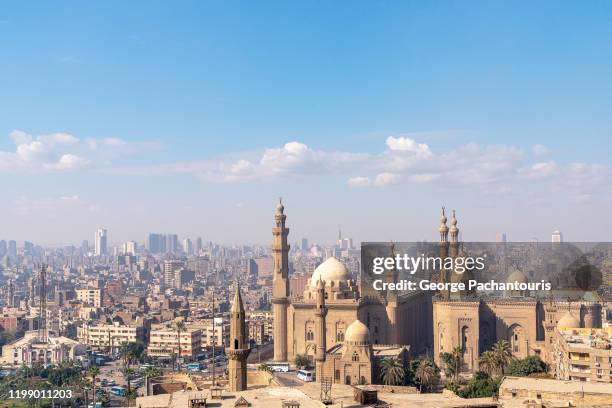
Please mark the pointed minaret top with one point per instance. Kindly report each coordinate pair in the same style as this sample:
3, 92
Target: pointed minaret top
280, 208
237, 306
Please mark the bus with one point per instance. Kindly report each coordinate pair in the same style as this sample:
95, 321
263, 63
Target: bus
119, 391
279, 367
194, 366
305, 376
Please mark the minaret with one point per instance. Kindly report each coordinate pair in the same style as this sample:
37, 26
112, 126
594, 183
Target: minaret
280, 283
321, 331
454, 237
238, 350
443, 247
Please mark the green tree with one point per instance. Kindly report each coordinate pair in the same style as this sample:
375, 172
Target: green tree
180, 325
503, 355
488, 363
391, 371
452, 363
480, 385
264, 367
94, 371
130, 396
526, 366
427, 374
301, 361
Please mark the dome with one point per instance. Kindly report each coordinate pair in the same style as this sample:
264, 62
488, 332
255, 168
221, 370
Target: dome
330, 270
357, 333
517, 276
568, 321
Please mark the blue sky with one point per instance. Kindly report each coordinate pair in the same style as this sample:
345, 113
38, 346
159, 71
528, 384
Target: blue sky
193, 117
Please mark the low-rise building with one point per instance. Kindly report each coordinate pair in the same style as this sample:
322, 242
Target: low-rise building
520, 391
30, 349
164, 342
583, 354
109, 336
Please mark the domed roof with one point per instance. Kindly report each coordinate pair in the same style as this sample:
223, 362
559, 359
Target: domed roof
517, 276
357, 332
568, 321
330, 270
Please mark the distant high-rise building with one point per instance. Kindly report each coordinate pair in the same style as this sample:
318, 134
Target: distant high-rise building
557, 236
170, 268
12, 248
28, 248
304, 246
171, 243
157, 243
85, 246
2, 248
188, 246
101, 242
198, 245
129, 248
500, 237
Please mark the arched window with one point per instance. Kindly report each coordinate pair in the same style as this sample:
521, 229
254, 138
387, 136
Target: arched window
236, 343
355, 356
337, 375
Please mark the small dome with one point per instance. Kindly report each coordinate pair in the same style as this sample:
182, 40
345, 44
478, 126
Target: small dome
330, 270
517, 276
568, 321
357, 333
280, 208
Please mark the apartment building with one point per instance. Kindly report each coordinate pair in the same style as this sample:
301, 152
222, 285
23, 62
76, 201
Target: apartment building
164, 343
90, 296
110, 336
584, 355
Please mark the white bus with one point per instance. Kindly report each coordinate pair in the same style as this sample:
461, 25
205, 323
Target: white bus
305, 376
279, 367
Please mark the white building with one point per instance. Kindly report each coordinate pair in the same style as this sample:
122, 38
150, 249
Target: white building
29, 349
101, 242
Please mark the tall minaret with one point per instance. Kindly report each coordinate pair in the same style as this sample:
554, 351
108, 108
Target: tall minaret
280, 283
454, 237
238, 350
321, 331
443, 248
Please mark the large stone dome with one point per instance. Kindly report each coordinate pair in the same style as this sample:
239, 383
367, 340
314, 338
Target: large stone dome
517, 276
568, 321
329, 271
357, 333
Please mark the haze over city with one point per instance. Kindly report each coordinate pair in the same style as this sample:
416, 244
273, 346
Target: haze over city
194, 119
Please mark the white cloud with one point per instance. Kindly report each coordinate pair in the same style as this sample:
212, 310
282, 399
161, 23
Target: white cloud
62, 152
386, 179
359, 181
539, 150
406, 144
541, 170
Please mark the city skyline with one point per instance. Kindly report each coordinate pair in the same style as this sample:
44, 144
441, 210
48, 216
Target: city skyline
194, 119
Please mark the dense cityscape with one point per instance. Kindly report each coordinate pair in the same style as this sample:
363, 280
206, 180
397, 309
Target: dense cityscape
131, 314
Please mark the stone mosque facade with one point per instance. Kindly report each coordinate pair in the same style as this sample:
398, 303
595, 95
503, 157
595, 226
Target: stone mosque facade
295, 321
346, 332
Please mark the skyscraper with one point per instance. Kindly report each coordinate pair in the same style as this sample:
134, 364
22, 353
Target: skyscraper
2, 248
557, 236
12, 248
198, 245
171, 243
188, 246
101, 242
157, 243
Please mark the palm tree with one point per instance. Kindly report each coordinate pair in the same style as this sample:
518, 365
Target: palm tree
265, 367
180, 325
488, 363
503, 355
426, 374
391, 371
93, 373
457, 354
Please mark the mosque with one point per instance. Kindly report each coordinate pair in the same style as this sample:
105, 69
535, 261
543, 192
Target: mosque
346, 331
